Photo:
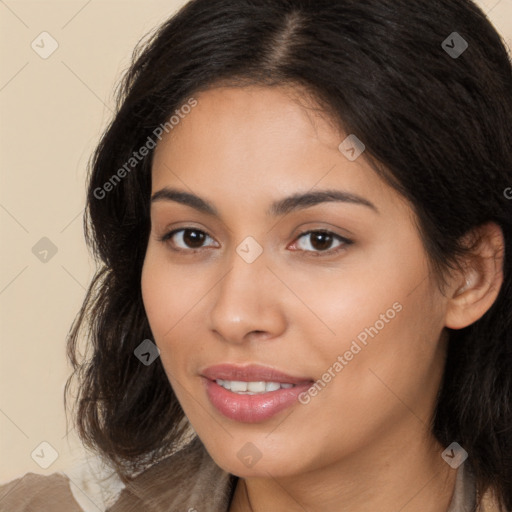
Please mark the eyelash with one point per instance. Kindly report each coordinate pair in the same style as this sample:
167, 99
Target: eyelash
331, 252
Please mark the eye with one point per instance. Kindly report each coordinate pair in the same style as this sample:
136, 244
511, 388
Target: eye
190, 237
321, 241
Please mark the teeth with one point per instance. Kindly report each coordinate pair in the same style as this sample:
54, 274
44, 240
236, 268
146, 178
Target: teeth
252, 388
237, 385
256, 387
272, 386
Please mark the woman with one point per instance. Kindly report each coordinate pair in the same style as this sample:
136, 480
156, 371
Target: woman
304, 303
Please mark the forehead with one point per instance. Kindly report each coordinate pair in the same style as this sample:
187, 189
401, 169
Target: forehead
253, 142
250, 124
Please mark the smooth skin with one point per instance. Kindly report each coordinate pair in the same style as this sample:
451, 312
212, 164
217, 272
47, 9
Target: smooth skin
363, 442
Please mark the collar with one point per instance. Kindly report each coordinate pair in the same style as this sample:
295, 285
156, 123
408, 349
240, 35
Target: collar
464, 494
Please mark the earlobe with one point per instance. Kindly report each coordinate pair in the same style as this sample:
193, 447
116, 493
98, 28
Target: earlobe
482, 280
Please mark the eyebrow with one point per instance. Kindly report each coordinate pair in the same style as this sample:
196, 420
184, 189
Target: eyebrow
284, 206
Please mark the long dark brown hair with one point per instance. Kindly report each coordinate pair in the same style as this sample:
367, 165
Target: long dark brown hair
436, 125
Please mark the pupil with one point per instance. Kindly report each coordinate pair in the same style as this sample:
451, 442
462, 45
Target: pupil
191, 240
325, 240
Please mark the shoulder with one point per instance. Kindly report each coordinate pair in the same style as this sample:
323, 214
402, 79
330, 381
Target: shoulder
33, 492
188, 480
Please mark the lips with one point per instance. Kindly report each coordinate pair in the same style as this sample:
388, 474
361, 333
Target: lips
251, 408
251, 373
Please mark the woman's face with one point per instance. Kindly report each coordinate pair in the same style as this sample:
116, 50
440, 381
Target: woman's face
355, 310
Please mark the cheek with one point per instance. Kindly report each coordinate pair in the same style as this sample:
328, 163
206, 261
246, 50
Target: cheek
169, 292
386, 363
384, 321
171, 295
158, 304
374, 299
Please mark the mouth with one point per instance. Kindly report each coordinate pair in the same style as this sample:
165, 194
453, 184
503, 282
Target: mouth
251, 374
253, 387
251, 394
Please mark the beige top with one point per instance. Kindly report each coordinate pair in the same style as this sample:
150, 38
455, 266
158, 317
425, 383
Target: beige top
165, 487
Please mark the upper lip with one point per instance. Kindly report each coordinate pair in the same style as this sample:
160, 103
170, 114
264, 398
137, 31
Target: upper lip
250, 373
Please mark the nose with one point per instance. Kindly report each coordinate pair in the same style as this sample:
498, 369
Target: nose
248, 302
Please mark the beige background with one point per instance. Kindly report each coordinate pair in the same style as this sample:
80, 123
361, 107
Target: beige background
52, 113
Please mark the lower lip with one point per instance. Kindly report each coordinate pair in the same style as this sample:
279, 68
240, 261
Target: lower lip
252, 408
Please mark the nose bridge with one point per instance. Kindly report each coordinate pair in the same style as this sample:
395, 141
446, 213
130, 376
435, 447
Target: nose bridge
241, 287
244, 301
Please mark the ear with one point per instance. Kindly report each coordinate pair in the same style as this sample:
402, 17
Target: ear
474, 291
